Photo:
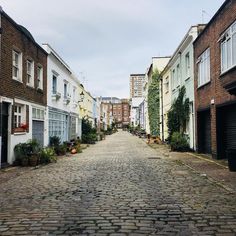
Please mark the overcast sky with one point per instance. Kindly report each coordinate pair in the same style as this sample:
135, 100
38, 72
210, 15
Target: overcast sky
104, 41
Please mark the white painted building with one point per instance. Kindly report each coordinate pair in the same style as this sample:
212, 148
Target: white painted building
158, 63
62, 98
180, 72
135, 111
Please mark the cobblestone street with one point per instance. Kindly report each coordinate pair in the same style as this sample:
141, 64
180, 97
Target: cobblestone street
119, 186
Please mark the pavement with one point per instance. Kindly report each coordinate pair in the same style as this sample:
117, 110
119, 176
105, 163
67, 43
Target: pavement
215, 170
120, 186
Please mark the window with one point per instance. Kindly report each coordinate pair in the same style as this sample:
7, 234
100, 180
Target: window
187, 65
228, 49
18, 115
37, 113
167, 84
74, 93
204, 68
40, 77
54, 84
178, 76
30, 72
65, 90
173, 80
16, 65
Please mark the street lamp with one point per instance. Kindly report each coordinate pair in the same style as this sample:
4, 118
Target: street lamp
81, 97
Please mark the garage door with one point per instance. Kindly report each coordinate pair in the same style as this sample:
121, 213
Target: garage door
204, 132
38, 131
230, 128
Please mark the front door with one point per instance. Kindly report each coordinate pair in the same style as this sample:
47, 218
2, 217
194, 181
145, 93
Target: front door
4, 131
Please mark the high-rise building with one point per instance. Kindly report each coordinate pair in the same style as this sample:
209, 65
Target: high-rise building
136, 85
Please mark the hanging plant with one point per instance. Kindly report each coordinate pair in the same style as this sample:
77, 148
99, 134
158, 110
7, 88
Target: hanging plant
154, 104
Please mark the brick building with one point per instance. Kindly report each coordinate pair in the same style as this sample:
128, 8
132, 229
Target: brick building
215, 83
23, 89
118, 111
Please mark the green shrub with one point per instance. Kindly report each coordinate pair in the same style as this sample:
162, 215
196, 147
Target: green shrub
54, 141
178, 142
47, 155
61, 149
89, 138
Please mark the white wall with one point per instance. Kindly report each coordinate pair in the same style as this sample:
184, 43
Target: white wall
186, 47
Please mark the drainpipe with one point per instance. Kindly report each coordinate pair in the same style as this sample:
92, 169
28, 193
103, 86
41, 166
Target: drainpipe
1, 77
162, 111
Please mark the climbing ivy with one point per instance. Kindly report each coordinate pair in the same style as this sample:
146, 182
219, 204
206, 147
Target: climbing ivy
178, 114
154, 104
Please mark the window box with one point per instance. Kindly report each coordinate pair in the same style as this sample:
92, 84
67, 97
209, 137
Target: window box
56, 96
66, 100
19, 130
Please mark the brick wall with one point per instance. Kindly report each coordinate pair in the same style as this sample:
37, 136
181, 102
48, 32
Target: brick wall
13, 37
209, 38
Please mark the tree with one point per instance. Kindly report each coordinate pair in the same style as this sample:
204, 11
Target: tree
154, 104
178, 115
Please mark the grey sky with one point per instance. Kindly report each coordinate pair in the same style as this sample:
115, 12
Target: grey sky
104, 41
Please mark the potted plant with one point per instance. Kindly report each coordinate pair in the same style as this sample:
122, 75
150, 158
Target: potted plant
34, 148
24, 126
47, 155
21, 154
61, 149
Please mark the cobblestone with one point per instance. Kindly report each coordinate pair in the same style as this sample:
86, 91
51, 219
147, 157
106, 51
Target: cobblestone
115, 188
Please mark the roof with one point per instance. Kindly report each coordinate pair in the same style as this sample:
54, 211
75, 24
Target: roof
213, 18
22, 29
137, 74
109, 98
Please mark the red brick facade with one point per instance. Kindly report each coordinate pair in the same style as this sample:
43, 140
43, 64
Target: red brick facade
213, 95
15, 37
121, 113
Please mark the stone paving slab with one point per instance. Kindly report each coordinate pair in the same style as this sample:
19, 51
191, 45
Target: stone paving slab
119, 186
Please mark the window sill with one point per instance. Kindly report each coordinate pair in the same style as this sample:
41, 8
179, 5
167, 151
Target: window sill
203, 85
17, 80
29, 86
39, 90
19, 131
228, 71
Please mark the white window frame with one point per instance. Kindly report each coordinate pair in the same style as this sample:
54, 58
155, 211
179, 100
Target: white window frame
173, 79
178, 75
187, 65
228, 48
167, 84
39, 77
17, 65
54, 91
19, 115
37, 113
204, 68
30, 72
65, 90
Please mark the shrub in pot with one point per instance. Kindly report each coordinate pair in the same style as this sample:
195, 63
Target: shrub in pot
47, 155
178, 142
61, 149
33, 152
